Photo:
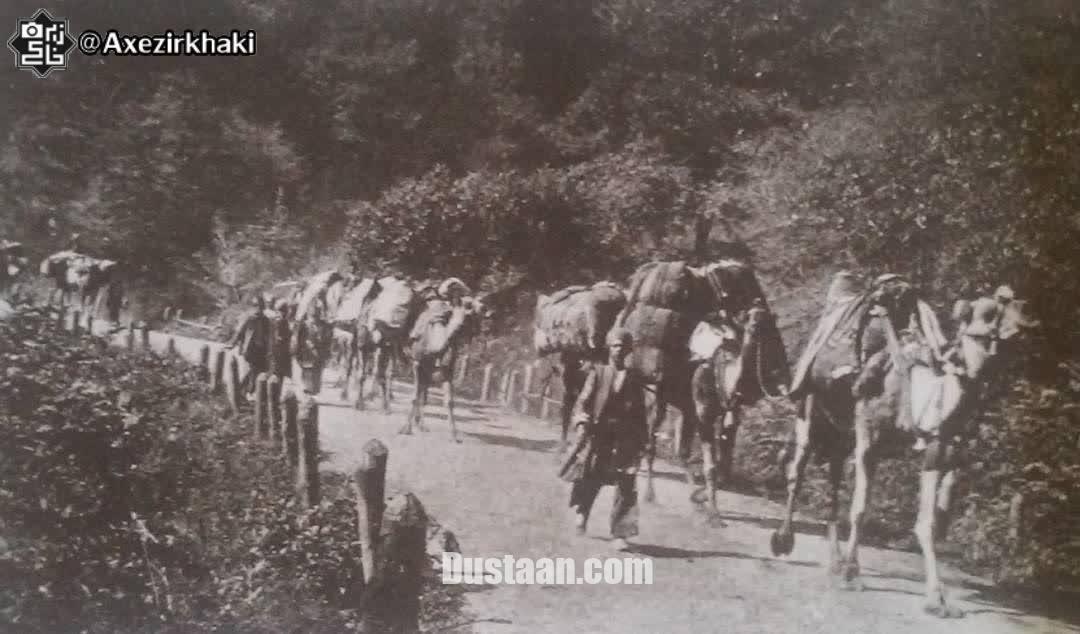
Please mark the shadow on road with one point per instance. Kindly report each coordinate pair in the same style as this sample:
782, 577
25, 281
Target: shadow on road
501, 440
670, 552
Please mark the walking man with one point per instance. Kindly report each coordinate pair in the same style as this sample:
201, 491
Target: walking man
280, 359
311, 342
612, 432
253, 337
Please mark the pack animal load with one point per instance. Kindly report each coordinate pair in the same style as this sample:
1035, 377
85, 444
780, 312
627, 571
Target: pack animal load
356, 301
576, 318
663, 307
316, 291
391, 308
839, 346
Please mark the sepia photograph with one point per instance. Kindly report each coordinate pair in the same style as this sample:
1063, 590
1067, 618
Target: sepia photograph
520, 316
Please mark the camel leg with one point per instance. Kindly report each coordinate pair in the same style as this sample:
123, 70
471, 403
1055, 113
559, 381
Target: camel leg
836, 477
573, 379
937, 603
350, 361
783, 538
448, 391
650, 445
422, 378
415, 412
726, 443
860, 496
705, 411
944, 503
382, 356
363, 367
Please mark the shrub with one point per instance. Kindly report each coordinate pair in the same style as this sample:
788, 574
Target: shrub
131, 502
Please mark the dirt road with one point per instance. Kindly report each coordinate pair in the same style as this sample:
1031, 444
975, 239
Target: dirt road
497, 491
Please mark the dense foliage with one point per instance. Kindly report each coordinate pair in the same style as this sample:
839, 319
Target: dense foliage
533, 143
129, 501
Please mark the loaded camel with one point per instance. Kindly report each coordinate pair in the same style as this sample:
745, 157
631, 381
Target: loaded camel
665, 303
731, 353
875, 376
572, 323
447, 323
76, 273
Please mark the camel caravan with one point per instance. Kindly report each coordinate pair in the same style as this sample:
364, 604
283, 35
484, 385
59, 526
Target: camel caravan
94, 281
363, 323
877, 375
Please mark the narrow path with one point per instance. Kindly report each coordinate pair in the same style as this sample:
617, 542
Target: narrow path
498, 492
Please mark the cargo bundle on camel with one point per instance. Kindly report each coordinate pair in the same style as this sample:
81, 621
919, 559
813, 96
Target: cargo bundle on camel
572, 324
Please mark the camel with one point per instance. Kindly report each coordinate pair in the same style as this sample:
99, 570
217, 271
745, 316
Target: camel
447, 322
877, 374
74, 272
666, 301
352, 334
572, 324
380, 331
729, 378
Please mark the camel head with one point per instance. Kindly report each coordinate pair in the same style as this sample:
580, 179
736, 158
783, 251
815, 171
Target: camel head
453, 290
987, 324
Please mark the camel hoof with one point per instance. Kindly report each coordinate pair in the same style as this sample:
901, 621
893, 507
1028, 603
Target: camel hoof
457, 439
852, 580
698, 496
650, 496
836, 566
943, 610
406, 431
715, 521
782, 543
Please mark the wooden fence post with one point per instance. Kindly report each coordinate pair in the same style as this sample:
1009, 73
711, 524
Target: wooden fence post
233, 388
217, 375
273, 404
262, 407
370, 483
504, 385
129, 340
485, 388
527, 387
307, 473
204, 360
145, 336
393, 600
463, 368
511, 387
290, 446
1016, 519
75, 318
90, 324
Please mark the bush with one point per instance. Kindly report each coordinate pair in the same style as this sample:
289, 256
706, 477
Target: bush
130, 502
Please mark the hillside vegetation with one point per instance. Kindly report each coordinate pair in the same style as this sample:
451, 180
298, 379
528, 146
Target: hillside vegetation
533, 143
